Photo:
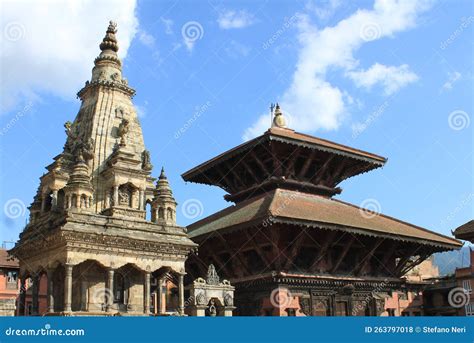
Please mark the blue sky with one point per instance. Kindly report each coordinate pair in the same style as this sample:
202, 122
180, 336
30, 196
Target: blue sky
392, 78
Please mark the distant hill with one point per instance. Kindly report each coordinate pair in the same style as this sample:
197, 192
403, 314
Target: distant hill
447, 262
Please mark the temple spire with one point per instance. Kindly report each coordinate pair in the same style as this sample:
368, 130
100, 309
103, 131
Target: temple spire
110, 41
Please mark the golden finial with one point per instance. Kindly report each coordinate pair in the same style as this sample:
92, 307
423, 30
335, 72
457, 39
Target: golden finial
278, 118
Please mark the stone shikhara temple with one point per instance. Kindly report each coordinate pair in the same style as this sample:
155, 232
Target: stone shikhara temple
286, 245
87, 228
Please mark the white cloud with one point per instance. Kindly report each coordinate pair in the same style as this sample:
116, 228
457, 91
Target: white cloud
323, 9
230, 19
50, 46
452, 79
236, 50
313, 101
146, 39
168, 23
390, 77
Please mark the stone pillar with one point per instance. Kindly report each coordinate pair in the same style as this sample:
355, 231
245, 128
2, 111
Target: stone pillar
68, 288
116, 191
110, 289
160, 297
146, 295
54, 199
68, 201
140, 199
181, 294
22, 302
50, 291
107, 199
35, 293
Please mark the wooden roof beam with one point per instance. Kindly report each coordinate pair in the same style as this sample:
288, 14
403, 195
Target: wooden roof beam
235, 253
324, 248
307, 164
366, 260
344, 252
295, 246
257, 248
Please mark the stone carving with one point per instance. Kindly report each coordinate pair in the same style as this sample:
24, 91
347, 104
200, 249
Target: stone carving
212, 308
81, 150
146, 161
123, 130
305, 306
124, 197
119, 112
212, 277
228, 300
115, 76
201, 298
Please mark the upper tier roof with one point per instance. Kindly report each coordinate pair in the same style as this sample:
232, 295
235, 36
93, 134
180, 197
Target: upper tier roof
296, 208
465, 231
283, 158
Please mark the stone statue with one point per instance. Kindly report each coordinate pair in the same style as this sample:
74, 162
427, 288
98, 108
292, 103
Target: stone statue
228, 300
212, 277
123, 130
146, 161
124, 197
212, 308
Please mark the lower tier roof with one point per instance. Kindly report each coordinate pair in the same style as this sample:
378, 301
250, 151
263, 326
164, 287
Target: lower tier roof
297, 208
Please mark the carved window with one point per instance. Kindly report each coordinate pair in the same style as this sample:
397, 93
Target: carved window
161, 213
74, 200
169, 214
119, 288
83, 201
341, 308
48, 202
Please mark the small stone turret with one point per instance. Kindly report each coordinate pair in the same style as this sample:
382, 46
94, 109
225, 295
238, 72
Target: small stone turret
78, 191
163, 207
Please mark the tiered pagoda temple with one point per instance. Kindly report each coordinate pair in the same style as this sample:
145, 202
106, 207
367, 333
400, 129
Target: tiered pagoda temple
88, 230
287, 245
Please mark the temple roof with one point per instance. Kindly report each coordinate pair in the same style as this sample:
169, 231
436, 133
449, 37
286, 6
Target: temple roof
283, 158
291, 137
465, 231
296, 208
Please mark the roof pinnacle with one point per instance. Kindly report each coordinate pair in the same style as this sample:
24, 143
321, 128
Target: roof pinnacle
110, 41
278, 119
